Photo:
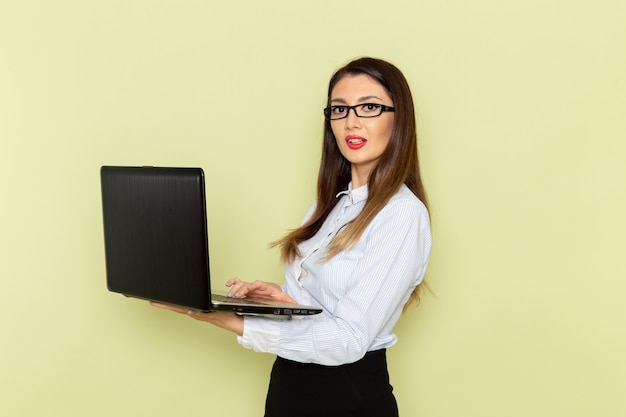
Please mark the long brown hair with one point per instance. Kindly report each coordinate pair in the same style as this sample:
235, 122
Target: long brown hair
398, 165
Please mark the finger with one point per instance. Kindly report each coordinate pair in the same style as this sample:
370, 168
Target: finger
260, 288
237, 286
239, 290
232, 281
256, 285
198, 315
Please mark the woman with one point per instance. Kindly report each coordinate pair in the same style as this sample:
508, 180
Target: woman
360, 254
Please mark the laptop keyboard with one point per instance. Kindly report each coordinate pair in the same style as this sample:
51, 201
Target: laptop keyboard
231, 300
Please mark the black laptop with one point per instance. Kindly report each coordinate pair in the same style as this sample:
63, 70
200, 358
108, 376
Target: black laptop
156, 244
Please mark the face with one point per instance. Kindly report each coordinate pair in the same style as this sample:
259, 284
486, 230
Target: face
361, 141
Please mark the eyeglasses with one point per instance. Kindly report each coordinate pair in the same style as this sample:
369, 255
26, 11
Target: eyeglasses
361, 110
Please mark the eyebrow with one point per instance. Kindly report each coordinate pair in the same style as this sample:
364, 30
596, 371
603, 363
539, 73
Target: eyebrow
360, 100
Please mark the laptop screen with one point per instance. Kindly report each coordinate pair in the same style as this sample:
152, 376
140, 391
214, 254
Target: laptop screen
155, 234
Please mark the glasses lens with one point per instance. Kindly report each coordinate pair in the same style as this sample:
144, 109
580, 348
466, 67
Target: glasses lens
337, 112
369, 110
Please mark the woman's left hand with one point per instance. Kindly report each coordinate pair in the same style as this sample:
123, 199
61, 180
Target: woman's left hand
225, 320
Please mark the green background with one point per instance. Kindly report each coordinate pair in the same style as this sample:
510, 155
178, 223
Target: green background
521, 110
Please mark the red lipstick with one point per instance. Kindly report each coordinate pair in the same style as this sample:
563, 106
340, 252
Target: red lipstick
355, 141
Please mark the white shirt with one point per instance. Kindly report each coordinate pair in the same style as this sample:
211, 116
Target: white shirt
362, 289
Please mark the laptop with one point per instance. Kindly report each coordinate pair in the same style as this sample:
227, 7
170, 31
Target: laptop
156, 242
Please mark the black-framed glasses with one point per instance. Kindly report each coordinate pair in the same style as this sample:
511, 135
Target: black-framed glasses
361, 110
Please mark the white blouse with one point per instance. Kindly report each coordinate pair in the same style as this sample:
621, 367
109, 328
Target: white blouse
362, 289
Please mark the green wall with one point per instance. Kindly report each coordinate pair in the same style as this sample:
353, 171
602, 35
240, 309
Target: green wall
521, 110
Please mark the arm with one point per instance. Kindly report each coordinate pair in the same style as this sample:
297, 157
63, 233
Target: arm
229, 321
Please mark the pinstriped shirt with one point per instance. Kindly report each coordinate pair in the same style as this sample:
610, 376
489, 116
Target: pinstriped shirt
362, 289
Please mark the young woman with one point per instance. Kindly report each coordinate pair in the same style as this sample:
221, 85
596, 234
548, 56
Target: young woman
360, 254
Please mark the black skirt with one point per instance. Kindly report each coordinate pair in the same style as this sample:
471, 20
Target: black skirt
307, 390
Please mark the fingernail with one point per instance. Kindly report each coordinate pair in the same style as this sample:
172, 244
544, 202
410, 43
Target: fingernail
230, 294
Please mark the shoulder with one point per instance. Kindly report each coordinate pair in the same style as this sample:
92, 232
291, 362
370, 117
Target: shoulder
404, 201
402, 223
403, 214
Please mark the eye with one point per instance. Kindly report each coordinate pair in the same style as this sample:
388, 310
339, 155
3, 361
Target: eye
338, 110
370, 108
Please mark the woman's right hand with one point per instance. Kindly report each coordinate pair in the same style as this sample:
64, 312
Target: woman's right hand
269, 290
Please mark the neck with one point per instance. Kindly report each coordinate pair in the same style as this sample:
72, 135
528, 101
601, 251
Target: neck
360, 176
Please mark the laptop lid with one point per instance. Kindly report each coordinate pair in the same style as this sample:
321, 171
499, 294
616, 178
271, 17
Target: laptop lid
156, 243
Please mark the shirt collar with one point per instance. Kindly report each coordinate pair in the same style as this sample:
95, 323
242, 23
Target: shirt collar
357, 195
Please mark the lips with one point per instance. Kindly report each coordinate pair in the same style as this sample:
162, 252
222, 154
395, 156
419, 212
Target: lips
355, 141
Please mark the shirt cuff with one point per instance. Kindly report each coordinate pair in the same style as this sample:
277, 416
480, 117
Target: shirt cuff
260, 334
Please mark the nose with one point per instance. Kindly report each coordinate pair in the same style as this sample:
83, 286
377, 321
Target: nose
352, 120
